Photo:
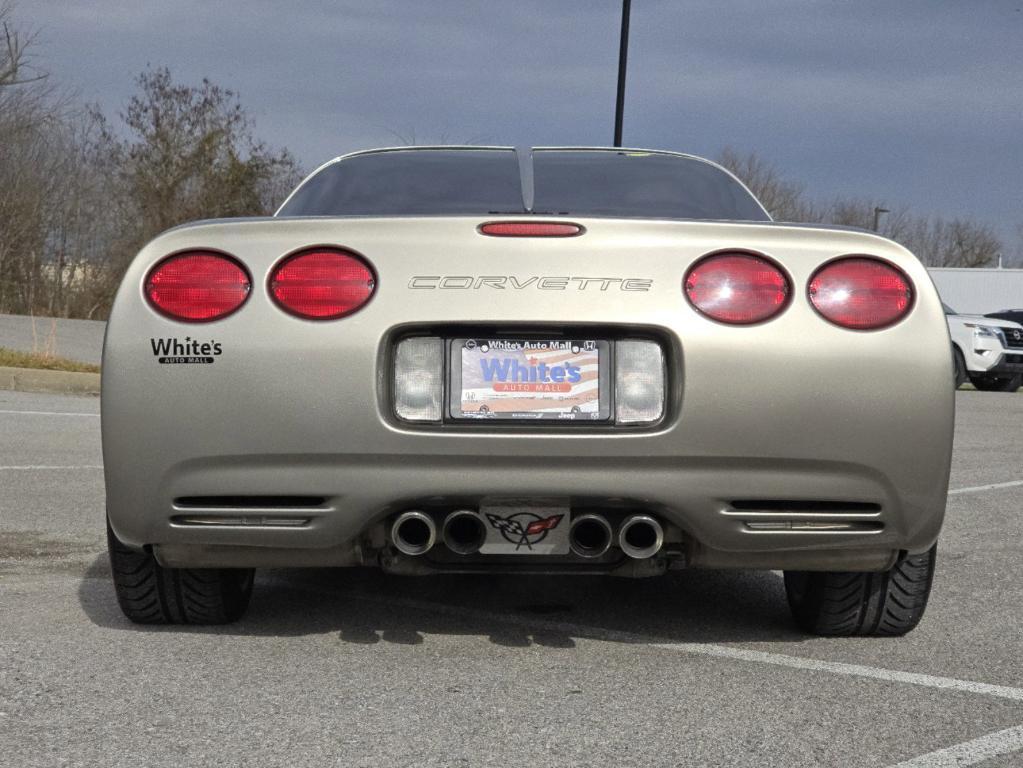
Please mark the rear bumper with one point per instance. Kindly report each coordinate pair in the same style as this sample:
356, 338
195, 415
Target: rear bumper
811, 438
716, 508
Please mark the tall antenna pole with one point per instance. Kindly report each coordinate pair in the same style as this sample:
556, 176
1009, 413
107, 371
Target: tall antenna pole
623, 56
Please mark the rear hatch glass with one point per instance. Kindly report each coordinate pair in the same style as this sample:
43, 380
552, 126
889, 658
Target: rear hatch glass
638, 184
413, 183
584, 183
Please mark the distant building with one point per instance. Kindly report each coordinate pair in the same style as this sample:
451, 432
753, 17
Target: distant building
979, 291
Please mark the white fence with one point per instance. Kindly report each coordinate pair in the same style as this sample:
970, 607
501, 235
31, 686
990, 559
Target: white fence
979, 291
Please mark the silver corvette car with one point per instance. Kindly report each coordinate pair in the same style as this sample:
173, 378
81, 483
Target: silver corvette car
542, 361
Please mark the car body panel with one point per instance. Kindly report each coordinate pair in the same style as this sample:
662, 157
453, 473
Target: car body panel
794, 408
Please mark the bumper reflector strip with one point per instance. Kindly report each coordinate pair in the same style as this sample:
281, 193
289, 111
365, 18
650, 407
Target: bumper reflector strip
239, 521
814, 526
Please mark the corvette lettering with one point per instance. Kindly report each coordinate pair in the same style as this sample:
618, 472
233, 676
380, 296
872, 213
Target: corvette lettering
534, 282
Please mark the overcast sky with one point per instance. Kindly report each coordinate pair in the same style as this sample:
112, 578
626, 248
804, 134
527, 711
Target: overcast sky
916, 102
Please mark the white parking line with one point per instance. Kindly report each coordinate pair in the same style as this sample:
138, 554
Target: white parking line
971, 752
49, 466
50, 413
709, 649
979, 488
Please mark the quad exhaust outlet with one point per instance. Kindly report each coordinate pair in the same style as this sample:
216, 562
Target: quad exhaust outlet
640, 536
463, 532
590, 536
413, 533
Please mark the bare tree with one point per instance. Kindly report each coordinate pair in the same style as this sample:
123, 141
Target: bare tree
190, 153
782, 198
15, 63
77, 200
27, 118
937, 242
1017, 259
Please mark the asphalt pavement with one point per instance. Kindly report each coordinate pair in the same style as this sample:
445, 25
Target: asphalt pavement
352, 668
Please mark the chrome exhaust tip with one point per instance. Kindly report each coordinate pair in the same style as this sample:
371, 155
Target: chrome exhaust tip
590, 536
413, 532
640, 536
463, 532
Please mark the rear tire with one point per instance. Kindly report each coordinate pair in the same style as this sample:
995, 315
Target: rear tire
959, 367
996, 383
889, 603
148, 593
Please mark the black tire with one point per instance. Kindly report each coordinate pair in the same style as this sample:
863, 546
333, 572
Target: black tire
148, 593
959, 367
996, 383
889, 603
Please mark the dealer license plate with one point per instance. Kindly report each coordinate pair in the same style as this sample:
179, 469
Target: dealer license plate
534, 379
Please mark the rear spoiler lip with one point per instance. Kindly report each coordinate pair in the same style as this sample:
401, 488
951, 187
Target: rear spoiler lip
486, 217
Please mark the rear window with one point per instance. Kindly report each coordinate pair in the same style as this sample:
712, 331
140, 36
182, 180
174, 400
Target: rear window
638, 184
624, 184
413, 183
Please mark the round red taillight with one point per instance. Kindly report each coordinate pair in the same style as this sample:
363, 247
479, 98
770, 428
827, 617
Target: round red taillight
197, 286
861, 293
322, 283
737, 288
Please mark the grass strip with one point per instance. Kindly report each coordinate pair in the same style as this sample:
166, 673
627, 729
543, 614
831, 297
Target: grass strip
12, 358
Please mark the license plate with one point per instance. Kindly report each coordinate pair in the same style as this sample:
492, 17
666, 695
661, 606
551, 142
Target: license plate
530, 379
525, 529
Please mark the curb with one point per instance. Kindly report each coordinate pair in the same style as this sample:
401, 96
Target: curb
59, 382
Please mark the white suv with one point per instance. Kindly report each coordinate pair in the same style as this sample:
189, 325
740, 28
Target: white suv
987, 351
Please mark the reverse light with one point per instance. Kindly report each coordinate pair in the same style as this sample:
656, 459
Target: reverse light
418, 378
639, 382
737, 288
322, 283
861, 293
530, 229
197, 286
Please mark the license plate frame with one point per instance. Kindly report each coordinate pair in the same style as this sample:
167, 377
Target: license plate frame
565, 402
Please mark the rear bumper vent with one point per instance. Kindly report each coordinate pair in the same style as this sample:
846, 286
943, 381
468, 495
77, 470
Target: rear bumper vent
813, 526
767, 516
236, 521
249, 502
816, 507
247, 511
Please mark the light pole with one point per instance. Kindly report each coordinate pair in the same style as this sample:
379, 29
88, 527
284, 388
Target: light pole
623, 55
877, 215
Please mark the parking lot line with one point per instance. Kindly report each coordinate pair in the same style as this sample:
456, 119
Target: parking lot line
48, 413
978, 488
992, 745
707, 649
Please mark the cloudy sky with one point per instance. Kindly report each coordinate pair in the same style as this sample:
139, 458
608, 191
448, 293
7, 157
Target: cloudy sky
915, 102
